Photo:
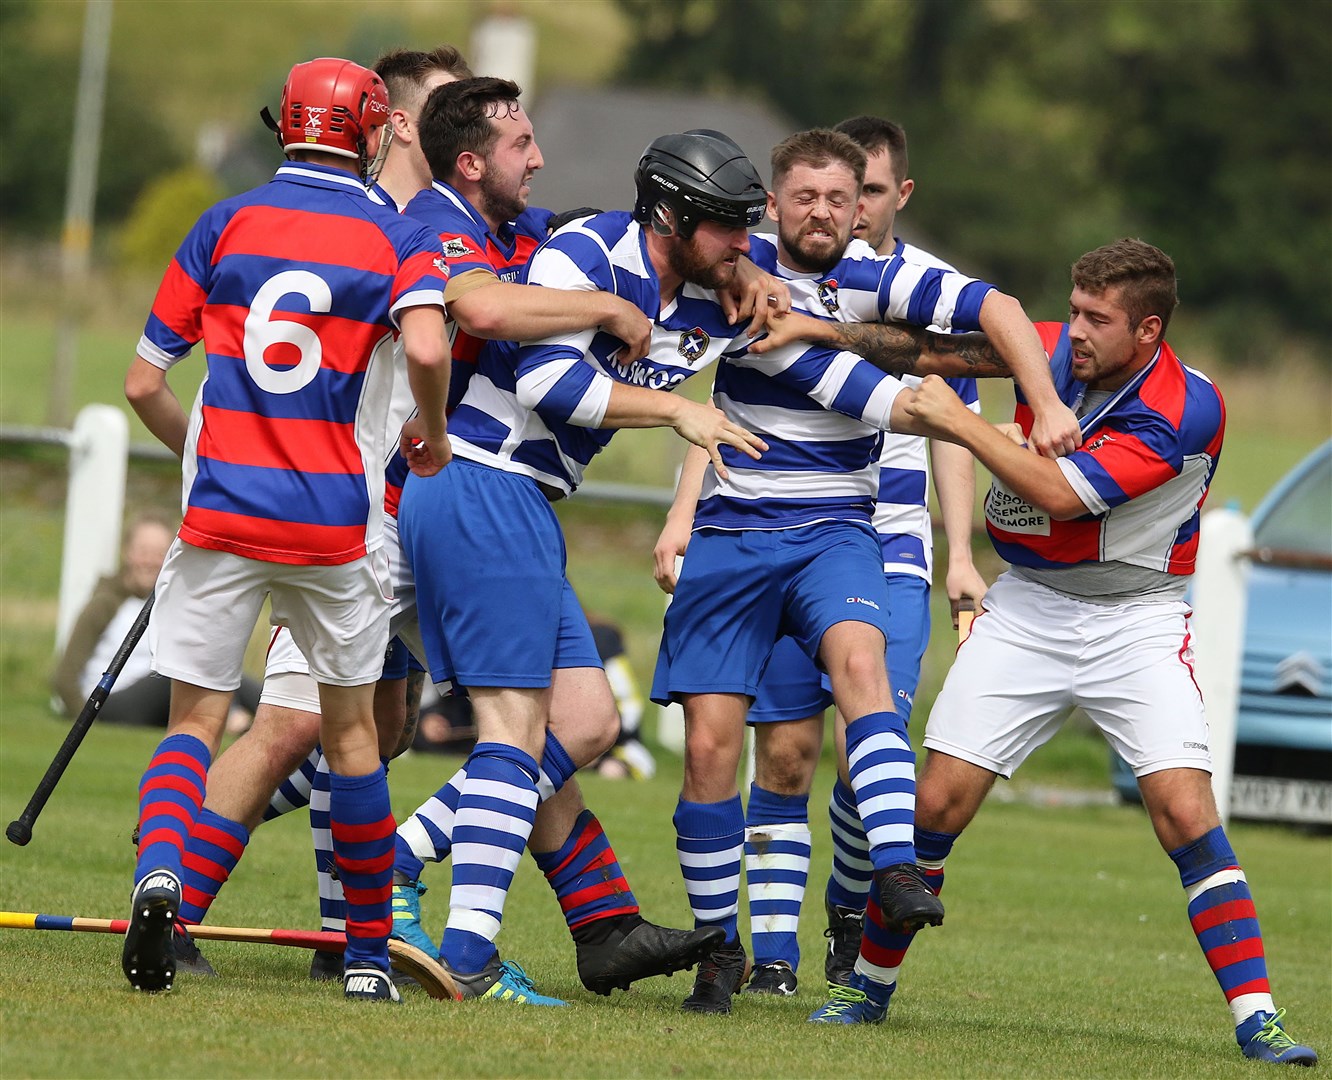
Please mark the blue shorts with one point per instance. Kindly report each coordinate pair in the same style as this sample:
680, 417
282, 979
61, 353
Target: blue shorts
794, 688
488, 556
739, 592
398, 661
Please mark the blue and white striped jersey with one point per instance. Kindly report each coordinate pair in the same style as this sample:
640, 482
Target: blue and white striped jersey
534, 408
901, 510
822, 412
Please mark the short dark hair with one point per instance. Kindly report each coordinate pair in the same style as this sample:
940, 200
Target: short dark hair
457, 119
816, 147
405, 71
1145, 275
874, 133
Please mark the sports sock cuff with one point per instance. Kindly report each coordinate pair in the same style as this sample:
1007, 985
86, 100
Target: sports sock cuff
550, 860
710, 821
556, 762
844, 797
214, 820
338, 782
861, 728
769, 808
186, 744
504, 751
934, 846
1203, 857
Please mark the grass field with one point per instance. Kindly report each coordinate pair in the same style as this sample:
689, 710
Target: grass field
1066, 952
1066, 949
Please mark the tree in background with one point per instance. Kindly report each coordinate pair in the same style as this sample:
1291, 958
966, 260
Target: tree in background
1045, 128
39, 87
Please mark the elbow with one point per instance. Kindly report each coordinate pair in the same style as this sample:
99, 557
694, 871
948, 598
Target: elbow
479, 318
434, 357
1066, 509
528, 396
1001, 306
139, 389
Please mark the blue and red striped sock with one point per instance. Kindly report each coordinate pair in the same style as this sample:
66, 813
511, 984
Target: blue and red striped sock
362, 825
1225, 922
171, 794
212, 851
881, 949
586, 875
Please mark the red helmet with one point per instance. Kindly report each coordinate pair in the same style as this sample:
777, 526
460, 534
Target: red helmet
331, 105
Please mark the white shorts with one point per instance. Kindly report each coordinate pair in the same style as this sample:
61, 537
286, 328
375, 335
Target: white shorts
287, 680
1035, 654
208, 602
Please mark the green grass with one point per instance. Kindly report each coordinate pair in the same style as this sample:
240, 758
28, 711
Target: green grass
1066, 950
1066, 947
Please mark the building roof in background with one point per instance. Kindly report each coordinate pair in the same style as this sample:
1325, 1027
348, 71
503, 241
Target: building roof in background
592, 138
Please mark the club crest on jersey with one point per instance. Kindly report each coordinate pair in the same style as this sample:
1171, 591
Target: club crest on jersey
693, 343
314, 123
828, 294
1096, 444
454, 248
441, 264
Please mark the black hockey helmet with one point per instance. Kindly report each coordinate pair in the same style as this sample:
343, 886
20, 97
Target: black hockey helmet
701, 175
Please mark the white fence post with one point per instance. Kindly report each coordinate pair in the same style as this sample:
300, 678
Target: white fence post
1219, 610
94, 509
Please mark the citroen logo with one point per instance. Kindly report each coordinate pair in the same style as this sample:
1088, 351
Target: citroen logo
1298, 674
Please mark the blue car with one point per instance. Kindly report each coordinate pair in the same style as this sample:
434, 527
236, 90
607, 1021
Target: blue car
1283, 740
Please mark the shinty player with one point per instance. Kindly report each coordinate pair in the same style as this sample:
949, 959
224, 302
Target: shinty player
278, 501
272, 768
1092, 614
532, 419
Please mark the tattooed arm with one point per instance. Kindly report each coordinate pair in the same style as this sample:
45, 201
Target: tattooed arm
894, 347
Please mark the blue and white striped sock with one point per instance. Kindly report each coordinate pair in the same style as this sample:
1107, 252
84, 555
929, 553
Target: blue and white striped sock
427, 836
852, 872
777, 844
490, 829
332, 903
709, 840
294, 791
883, 777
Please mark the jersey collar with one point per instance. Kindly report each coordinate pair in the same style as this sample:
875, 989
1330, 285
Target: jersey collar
325, 176
504, 239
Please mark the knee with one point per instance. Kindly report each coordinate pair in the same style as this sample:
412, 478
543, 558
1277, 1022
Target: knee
586, 733
948, 798
1183, 819
933, 803
785, 769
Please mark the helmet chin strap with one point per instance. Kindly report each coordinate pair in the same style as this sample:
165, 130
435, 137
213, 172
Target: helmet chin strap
377, 166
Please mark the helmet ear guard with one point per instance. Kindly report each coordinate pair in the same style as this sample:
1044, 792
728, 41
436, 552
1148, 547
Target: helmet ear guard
663, 219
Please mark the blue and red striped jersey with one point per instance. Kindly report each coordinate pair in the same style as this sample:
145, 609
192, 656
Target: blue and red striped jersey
469, 245
294, 288
1147, 458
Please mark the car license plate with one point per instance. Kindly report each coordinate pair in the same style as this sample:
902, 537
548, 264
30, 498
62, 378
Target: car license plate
1275, 798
